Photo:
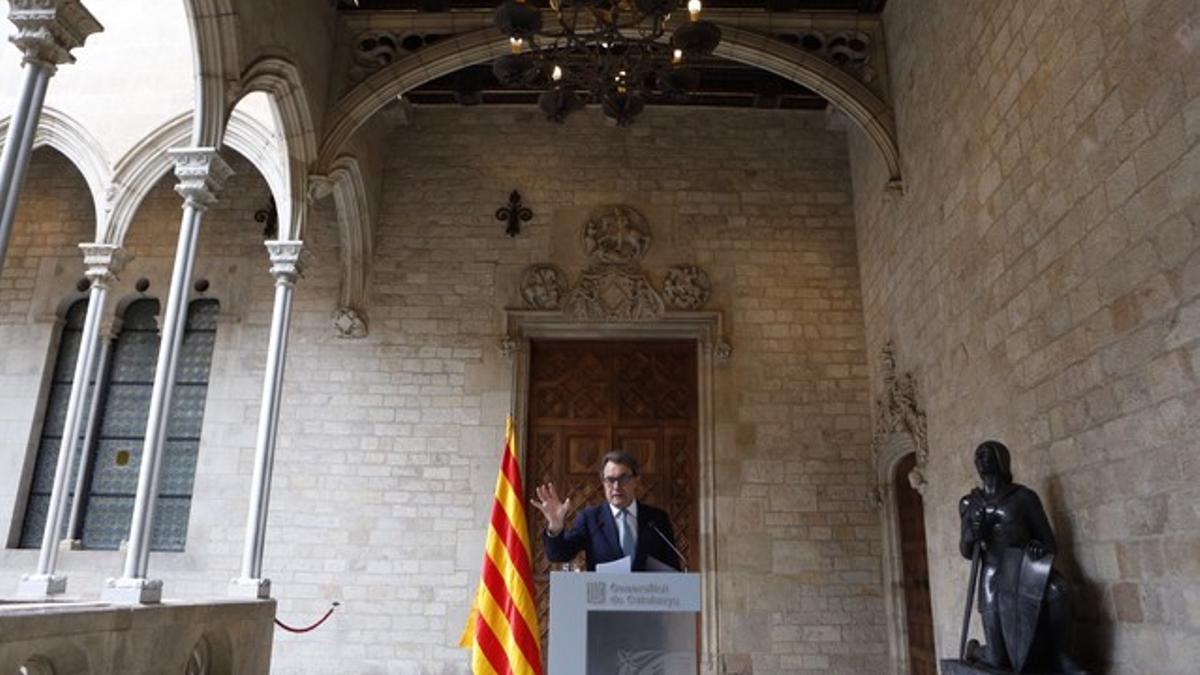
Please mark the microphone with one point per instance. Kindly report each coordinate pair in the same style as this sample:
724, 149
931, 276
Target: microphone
678, 553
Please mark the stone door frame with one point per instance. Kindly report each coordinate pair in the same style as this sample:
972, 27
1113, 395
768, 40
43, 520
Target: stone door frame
705, 329
895, 447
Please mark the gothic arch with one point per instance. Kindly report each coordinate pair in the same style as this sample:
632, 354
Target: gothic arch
216, 56
60, 131
138, 172
280, 80
867, 110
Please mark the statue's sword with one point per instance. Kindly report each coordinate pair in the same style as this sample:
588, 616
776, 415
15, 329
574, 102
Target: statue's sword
971, 584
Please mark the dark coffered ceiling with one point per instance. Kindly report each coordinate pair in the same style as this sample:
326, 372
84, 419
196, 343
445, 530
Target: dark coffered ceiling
723, 83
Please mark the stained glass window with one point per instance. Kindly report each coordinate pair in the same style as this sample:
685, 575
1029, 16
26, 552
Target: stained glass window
52, 428
116, 458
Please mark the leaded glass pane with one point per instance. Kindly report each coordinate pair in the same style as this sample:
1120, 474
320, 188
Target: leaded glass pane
179, 468
170, 523
106, 522
187, 411
56, 410
35, 521
68, 354
125, 411
43, 473
195, 358
141, 316
136, 357
109, 476
42, 481
202, 315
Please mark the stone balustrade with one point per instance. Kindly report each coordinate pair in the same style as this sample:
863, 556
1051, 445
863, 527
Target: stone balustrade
65, 638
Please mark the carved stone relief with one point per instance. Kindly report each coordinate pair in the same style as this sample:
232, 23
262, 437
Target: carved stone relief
614, 287
849, 50
897, 411
377, 49
616, 235
686, 287
543, 287
613, 293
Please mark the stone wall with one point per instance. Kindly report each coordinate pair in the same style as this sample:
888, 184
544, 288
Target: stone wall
389, 445
1040, 277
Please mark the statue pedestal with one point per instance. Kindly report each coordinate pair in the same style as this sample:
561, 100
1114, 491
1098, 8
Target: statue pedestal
956, 667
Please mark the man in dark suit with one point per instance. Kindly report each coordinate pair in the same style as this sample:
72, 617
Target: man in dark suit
620, 527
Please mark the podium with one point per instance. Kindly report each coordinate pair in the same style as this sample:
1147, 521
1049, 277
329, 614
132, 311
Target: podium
623, 624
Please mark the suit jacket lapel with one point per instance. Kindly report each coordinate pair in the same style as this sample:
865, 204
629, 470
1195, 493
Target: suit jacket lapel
609, 525
643, 531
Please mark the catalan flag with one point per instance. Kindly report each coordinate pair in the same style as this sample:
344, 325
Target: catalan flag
502, 631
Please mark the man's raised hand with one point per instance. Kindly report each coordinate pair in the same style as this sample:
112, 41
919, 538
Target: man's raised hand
554, 509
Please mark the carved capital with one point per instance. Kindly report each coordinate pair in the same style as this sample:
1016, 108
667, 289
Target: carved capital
285, 260
47, 30
349, 323
103, 262
201, 173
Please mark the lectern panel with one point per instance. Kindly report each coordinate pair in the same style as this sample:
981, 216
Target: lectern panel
623, 624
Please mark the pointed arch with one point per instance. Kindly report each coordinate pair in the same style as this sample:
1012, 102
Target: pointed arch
141, 169
60, 131
216, 57
280, 79
862, 105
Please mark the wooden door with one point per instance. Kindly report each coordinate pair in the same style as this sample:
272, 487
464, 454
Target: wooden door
589, 397
911, 512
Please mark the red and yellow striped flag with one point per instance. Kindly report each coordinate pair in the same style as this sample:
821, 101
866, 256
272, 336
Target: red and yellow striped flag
502, 631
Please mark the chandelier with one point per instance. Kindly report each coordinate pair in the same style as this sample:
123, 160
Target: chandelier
612, 52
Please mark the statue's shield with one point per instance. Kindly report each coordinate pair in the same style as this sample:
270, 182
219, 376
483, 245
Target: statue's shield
1021, 583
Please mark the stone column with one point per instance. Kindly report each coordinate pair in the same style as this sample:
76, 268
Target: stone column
103, 261
73, 539
47, 31
201, 173
285, 267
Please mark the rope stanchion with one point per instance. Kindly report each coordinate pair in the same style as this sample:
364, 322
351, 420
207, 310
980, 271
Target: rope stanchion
320, 621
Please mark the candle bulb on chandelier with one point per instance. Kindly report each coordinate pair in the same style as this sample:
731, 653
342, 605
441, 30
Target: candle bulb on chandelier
556, 74
517, 44
677, 57
694, 9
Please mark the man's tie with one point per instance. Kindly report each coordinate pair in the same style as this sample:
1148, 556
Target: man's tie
628, 545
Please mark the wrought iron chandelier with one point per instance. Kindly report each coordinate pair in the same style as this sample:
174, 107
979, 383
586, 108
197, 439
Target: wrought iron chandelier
614, 52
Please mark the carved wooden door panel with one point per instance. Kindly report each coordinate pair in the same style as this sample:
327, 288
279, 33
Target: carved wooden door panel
589, 397
911, 513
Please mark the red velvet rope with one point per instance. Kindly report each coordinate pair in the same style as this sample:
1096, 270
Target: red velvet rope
320, 621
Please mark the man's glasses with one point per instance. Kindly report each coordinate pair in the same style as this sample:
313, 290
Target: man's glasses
618, 480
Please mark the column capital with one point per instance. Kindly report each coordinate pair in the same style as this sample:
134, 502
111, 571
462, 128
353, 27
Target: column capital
103, 261
201, 173
47, 30
285, 260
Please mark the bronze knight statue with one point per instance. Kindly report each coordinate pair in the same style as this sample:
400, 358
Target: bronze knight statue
1023, 602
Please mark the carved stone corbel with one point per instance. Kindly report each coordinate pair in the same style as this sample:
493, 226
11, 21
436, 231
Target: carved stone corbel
510, 346
349, 323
